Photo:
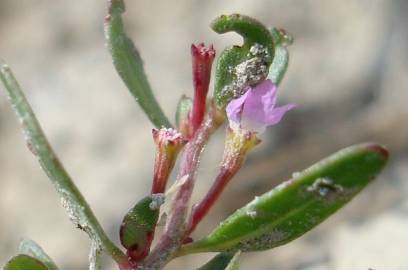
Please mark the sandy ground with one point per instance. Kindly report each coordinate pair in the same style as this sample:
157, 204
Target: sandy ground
348, 74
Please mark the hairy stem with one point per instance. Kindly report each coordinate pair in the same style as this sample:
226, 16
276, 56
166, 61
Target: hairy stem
73, 201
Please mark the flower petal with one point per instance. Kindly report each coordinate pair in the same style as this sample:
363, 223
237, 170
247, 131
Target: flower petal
255, 110
276, 115
234, 107
260, 102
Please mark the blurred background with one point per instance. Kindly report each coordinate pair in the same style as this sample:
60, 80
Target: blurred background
348, 73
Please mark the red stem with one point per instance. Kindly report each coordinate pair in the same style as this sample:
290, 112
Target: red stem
125, 265
237, 145
162, 170
197, 114
174, 231
201, 209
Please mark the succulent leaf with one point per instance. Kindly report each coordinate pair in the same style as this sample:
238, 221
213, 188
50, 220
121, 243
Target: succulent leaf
138, 226
297, 205
25, 262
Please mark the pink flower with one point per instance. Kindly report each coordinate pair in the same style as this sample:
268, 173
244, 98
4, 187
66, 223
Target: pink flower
255, 110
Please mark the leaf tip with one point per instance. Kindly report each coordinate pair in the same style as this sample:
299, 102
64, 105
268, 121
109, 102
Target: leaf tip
3, 66
116, 5
379, 149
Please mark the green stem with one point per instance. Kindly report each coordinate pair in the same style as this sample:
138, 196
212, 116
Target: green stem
73, 201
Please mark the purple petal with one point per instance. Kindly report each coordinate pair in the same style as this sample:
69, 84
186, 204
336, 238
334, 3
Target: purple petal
255, 110
259, 104
268, 92
276, 115
234, 107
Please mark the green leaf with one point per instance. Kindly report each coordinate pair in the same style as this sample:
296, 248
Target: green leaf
95, 256
24, 262
184, 108
74, 203
234, 263
31, 248
138, 226
223, 261
129, 64
296, 206
280, 62
240, 66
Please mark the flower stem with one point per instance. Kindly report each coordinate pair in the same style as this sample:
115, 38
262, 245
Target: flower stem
237, 145
201, 209
173, 235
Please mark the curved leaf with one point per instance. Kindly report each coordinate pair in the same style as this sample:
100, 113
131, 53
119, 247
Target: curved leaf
240, 66
280, 62
296, 206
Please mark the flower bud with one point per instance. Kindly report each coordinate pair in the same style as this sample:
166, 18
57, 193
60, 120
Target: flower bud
203, 58
169, 143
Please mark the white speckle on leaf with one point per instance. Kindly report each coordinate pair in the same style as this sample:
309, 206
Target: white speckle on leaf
251, 213
296, 174
157, 200
324, 186
264, 241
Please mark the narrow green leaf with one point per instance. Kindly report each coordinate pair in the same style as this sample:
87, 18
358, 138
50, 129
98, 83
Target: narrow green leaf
24, 262
240, 66
95, 256
280, 62
234, 263
31, 248
138, 226
296, 206
223, 261
129, 64
73, 201
219, 262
